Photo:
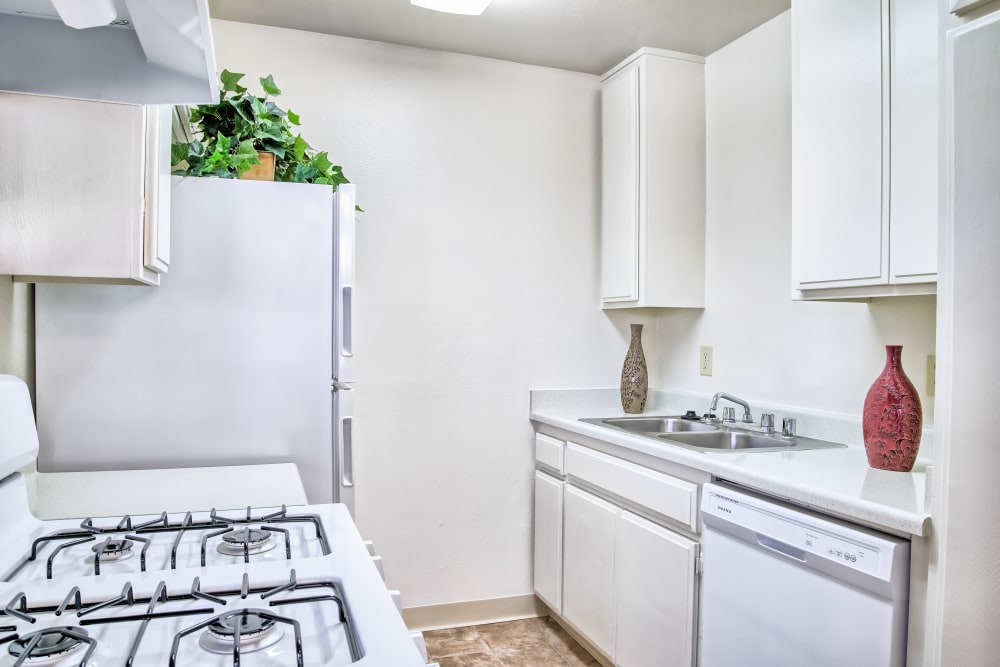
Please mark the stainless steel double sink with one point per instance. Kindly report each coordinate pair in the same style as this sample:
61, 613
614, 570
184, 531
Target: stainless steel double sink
714, 437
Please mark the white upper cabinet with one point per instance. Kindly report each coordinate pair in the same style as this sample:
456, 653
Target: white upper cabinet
864, 149
84, 190
131, 51
653, 182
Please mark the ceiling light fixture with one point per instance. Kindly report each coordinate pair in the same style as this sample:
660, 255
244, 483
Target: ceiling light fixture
468, 7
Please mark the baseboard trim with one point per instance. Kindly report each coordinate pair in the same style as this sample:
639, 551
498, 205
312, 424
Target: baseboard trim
473, 612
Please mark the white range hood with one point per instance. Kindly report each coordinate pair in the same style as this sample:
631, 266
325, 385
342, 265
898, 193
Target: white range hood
140, 52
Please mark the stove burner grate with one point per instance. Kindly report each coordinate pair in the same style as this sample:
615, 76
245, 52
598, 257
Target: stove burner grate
50, 645
250, 629
64, 540
113, 550
254, 540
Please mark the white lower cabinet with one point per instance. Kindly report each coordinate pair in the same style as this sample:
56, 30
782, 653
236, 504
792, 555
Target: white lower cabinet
589, 567
628, 584
616, 551
656, 585
548, 539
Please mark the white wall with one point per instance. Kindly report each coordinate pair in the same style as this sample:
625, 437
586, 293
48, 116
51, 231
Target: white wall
768, 348
478, 268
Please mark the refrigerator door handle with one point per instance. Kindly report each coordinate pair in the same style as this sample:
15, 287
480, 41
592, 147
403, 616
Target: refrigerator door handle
347, 451
347, 321
336, 385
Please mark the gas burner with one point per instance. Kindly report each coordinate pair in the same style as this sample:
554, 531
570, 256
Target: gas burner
257, 630
50, 645
257, 540
111, 550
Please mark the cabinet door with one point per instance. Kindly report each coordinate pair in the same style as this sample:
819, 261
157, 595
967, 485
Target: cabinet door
838, 174
548, 539
156, 251
71, 188
913, 200
655, 579
588, 566
620, 178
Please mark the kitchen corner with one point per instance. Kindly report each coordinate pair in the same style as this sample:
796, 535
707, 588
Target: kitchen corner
768, 194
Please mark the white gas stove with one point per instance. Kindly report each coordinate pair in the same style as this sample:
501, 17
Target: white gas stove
254, 587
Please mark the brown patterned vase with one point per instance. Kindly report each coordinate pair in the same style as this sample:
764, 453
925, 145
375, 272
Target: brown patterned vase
635, 376
893, 418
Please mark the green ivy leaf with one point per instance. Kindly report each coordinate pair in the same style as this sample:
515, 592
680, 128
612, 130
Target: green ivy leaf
231, 82
246, 148
267, 83
299, 148
196, 148
275, 147
293, 117
270, 131
304, 173
258, 107
241, 109
178, 153
274, 110
321, 162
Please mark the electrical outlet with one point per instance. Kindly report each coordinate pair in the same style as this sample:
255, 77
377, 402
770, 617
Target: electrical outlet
705, 360
931, 373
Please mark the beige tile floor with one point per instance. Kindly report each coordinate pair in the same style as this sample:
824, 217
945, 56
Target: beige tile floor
533, 642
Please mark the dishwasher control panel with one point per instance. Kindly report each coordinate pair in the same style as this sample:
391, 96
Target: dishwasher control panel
797, 533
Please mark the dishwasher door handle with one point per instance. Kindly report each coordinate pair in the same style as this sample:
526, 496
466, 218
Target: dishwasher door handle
782, 548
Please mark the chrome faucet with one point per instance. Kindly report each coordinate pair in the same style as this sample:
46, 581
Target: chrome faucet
747, 417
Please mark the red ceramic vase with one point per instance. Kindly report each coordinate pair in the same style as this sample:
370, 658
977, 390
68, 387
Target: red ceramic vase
893, 418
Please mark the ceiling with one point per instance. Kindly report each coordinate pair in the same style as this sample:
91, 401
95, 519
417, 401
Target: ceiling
581, 35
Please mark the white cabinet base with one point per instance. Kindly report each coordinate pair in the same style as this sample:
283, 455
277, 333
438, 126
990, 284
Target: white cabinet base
548, 539
588, 567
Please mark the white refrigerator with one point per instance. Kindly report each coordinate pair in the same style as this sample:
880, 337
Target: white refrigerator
243, 355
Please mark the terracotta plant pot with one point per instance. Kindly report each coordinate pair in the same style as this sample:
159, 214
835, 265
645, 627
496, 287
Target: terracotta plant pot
263, 171
893, 417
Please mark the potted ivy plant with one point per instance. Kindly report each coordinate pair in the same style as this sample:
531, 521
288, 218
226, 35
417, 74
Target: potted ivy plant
245, 136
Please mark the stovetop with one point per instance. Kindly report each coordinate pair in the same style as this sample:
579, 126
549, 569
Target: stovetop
298, 622
296, 584
93, 547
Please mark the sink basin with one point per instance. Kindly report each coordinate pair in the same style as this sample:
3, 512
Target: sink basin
654, 425
730, 440
703, 437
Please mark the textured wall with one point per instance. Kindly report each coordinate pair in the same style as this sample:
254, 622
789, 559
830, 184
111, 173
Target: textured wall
478, 262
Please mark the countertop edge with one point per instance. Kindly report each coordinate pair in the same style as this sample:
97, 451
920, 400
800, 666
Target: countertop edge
839, 505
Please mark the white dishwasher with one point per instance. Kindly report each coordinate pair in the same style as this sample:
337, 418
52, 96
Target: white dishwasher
786, 587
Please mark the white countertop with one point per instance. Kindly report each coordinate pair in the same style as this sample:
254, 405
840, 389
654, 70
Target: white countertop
58, 495
835, 481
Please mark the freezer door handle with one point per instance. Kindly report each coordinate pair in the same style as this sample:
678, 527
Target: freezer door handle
347, 451
337, 385
347, 321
